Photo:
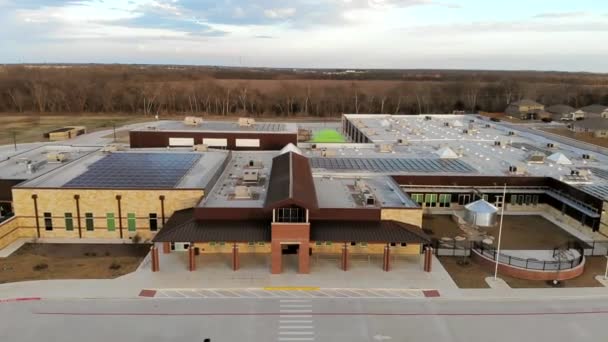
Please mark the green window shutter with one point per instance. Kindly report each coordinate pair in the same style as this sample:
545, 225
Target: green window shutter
131, 222
69, 222
111, 222
89, 221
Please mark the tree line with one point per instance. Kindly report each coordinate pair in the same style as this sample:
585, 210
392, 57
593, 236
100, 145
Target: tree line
152, 90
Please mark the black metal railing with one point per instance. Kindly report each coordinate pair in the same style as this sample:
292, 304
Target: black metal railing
529, 264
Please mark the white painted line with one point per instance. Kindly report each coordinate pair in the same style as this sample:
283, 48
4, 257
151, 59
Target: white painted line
295, 316
293, 321
295, 327
296, 332
296, 305
294, 300
296, 339
294, 310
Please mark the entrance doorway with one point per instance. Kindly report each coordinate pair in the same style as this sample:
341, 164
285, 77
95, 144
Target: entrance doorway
290, 249
290, 257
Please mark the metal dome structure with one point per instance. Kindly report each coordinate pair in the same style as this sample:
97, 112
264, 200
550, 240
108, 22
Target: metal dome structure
480, 213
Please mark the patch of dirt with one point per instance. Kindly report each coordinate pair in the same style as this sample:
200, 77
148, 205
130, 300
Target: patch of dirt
472, 275
71, 261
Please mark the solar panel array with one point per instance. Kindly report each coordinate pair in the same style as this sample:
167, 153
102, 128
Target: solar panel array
415, 165
136, 170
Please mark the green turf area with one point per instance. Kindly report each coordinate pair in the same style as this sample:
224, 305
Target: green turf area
328, 136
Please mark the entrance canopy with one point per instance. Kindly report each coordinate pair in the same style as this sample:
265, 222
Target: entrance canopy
367, 231
182, 227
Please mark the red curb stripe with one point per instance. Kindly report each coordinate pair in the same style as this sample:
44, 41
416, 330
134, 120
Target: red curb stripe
21, 299
321, 313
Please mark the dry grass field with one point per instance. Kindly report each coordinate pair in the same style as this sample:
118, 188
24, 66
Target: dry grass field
31, 127
585, 137
71, 261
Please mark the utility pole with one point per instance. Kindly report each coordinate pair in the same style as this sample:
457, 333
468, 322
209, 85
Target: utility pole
502, 215
15, 140
114, 127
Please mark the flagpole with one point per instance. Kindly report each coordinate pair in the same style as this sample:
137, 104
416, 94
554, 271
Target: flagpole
502, 215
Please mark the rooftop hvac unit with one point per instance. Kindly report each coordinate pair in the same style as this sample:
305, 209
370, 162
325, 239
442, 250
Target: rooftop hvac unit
488, 126
472, 120
251, 176
517, 170
193, 120
56, 157
246, 122
328, 153
586, 156
242, 192
446, 124
497, 143
200, 148
112, 148
575, 172
386, 148
465, 131
511, 133
255, 164
550, 145
427, 118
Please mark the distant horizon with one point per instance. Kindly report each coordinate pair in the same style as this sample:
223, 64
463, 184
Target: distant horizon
301, 68
541, 35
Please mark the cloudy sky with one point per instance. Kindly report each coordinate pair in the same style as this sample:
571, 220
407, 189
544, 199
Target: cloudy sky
457, 34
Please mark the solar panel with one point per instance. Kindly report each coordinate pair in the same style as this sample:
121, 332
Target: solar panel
418, 165
600, 191
136, 170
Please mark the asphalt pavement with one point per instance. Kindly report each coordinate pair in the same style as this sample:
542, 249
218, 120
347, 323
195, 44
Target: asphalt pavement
328, 319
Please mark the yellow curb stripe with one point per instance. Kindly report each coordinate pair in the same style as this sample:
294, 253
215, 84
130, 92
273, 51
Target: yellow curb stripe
291, 288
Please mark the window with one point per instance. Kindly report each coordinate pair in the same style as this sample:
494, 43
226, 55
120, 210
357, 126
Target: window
260, 243
48, 221
318, 243
291, 215
513, 199
498, 202
131, 222
251, 244
535, 200
69, 222
111, 222
153, 219
464, 199
89, 221
528, 199
418, 198
430, 200
445, 200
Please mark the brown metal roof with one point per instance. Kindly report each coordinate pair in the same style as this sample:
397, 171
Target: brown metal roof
291, 183
370, 231
182, 227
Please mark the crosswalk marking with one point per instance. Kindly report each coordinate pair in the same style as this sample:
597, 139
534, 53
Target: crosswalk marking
294, 321
296, 332
296, 339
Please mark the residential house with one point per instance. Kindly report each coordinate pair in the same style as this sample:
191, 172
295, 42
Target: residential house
525, 109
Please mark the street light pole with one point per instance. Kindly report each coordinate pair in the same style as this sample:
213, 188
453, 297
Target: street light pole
15, 140
502, 215
606, 273
114, 127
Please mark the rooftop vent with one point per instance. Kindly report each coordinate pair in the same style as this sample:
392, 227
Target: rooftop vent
193, 120
488, 126
587, 156
517, 169
551, 145
511, 133
428, 118
369, 199
446, 124
328, 153
254, 164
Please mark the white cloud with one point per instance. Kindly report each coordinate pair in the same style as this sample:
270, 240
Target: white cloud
280, 13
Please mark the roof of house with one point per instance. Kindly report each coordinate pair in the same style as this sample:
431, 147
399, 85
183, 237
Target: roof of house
593, 124
560, 109
182, 227
366, 231
291, 183
594, 109
526, 102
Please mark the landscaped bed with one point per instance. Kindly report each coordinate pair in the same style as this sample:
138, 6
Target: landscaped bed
523, 232
471, 275
37, 261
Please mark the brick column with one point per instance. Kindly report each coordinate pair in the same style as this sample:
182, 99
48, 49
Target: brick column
387, 258
166, 247
428, 259
191, 258
235, 257
154, 259
276, 258
345, 257
304, 258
